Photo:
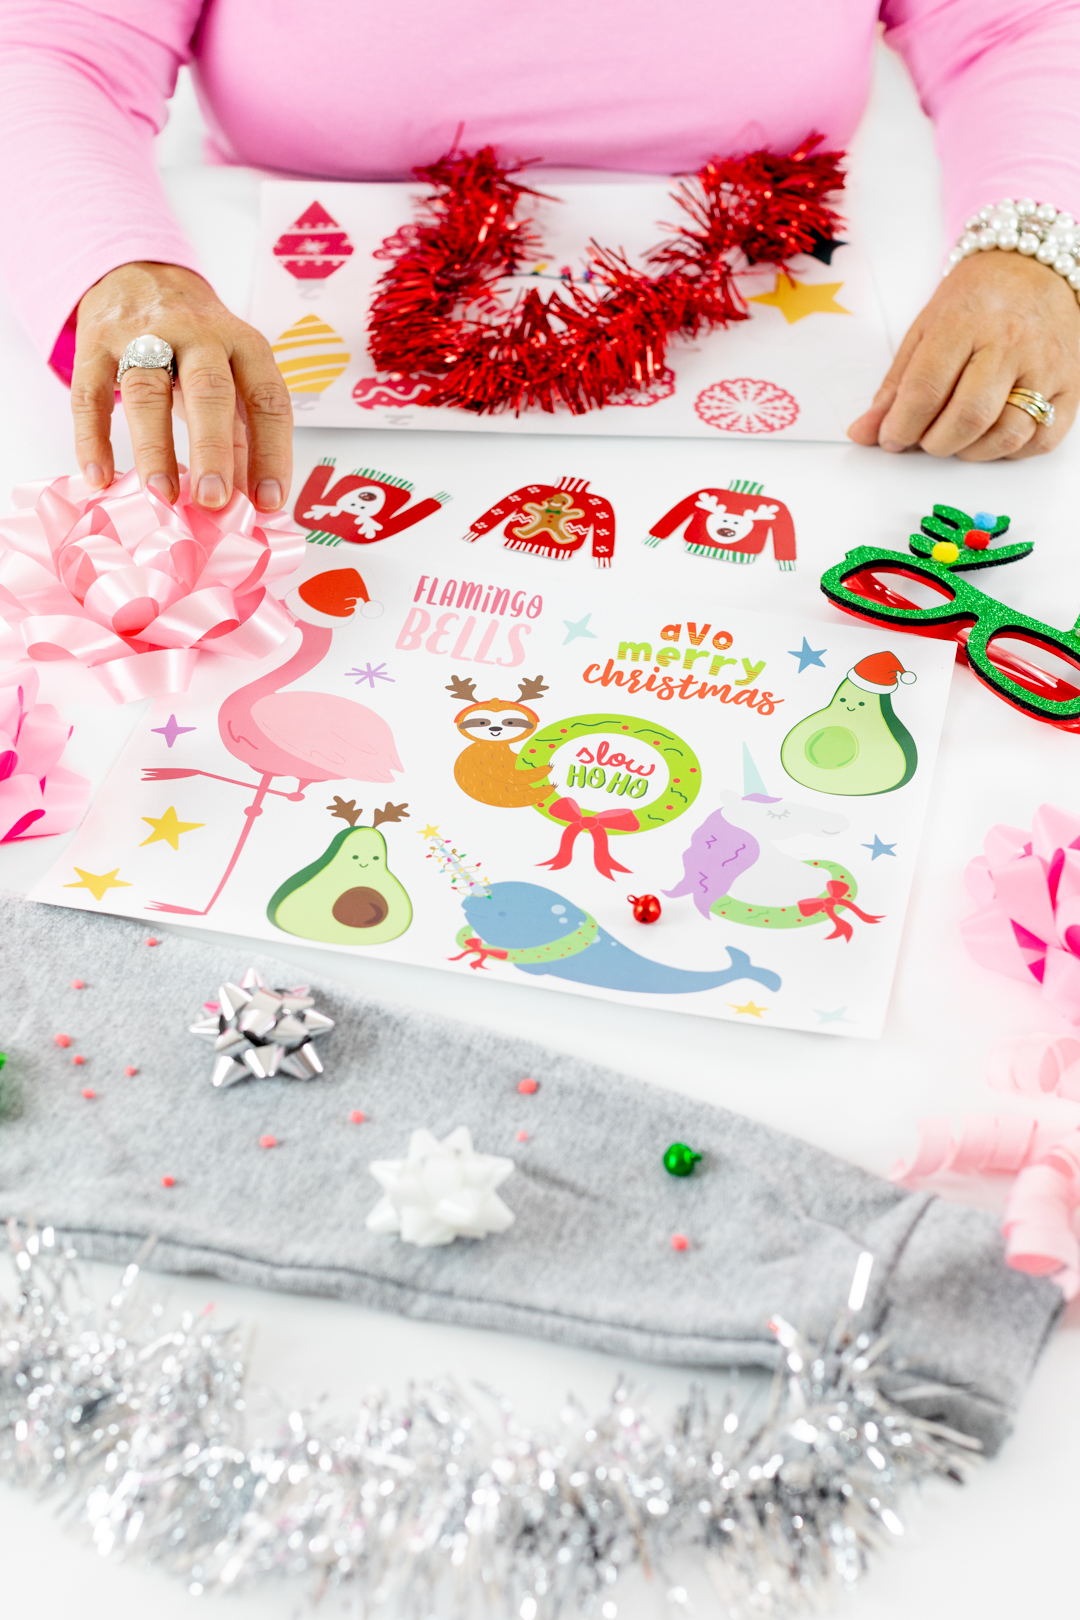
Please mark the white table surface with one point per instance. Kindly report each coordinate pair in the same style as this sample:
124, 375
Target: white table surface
1001, 1546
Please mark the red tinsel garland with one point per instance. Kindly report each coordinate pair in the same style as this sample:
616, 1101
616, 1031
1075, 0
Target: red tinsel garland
435, 311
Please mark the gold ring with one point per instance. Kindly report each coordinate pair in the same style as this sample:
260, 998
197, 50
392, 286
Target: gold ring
1037, 405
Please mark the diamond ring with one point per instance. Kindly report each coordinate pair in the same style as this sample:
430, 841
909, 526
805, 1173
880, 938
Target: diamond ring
1037, 405
148, 353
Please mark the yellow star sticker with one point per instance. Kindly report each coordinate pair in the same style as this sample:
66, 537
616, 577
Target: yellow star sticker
429, 831
796, 299
755, 1012
99, 884
168, 828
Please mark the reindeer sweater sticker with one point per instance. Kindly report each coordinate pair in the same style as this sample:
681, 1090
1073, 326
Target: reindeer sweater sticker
362, 506
488, 769
553, 520
732, 525
349, 896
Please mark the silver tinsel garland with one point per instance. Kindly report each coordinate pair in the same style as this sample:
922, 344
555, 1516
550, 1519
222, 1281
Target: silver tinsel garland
442, 1503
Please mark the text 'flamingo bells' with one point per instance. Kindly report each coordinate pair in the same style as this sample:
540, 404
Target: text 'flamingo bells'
313, 736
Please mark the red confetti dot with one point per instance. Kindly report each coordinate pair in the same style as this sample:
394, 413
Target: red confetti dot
152, 941
357, 1117
168, 1181
977, 539
62, 1040
268, 1141
131, 1069
527, 1087
77, 984
89, 1094
523, 1136
78, 1058
680, 1243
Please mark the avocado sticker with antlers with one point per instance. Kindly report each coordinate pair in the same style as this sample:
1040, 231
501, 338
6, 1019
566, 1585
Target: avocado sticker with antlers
349, 896
488, 769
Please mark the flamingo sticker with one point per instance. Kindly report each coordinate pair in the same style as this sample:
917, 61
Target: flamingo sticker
312, 736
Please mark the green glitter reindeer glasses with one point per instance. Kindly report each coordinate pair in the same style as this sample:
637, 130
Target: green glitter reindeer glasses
869, 581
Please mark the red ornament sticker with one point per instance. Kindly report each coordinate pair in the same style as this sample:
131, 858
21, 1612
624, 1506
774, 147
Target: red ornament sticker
314, 246
746, 405
396, 388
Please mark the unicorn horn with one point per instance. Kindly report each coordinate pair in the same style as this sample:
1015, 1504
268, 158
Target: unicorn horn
752, 782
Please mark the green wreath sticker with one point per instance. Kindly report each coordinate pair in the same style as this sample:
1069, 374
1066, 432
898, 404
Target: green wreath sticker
616, 761
774, 917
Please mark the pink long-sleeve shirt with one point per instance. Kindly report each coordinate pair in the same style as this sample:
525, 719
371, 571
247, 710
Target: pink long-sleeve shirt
352, 90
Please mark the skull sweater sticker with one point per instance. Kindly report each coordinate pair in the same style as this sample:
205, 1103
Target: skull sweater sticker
359, 507
730, 525
552, 520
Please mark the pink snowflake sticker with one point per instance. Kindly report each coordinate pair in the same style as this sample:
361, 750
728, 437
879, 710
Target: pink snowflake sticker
661, 387
746, 405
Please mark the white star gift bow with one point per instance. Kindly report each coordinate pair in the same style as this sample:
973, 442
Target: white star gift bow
440, 1191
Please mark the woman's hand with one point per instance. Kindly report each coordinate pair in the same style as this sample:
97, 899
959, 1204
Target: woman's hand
237, 409
999, 321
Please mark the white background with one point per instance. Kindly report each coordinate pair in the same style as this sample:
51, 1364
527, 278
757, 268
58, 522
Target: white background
1001, 1547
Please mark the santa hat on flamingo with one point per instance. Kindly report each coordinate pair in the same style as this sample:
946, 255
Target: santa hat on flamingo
880, 673
331, 597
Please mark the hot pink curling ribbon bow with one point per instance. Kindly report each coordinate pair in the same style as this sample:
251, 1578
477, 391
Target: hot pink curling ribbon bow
1039, 1221
37, 795
1028, 888
136, 588
597, 827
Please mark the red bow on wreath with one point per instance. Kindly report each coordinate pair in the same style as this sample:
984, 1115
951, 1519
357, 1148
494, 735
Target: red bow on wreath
830, 902
597, 827
479, 951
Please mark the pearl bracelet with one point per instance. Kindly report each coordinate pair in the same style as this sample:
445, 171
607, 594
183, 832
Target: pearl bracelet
1034, 229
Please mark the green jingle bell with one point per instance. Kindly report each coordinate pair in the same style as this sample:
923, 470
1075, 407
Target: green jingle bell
679, 1160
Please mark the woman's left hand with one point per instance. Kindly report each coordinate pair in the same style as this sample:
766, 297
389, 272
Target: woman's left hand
999, 321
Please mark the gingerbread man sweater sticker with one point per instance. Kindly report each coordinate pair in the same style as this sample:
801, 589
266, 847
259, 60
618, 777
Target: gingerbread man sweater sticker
552, 520
362, 506
730, 525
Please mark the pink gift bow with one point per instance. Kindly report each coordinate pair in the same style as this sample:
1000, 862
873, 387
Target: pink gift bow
1039, 1220
1028, 889
135, 588
37, 795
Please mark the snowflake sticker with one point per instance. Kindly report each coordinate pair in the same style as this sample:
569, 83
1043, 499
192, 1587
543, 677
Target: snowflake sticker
746, 405
661, 387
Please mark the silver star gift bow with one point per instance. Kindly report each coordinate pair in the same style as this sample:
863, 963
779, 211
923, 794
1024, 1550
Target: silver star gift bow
258, 1032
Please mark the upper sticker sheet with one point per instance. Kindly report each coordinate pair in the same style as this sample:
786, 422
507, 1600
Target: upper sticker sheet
802, 367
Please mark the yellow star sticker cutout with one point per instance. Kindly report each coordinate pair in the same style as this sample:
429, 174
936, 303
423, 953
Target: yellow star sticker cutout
754, 1011
99, 884
429, 831
796, 299
167, 828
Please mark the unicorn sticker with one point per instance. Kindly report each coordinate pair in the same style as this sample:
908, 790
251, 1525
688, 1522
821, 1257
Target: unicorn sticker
733, 868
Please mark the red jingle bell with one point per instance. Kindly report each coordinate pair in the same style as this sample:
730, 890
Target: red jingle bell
646, 907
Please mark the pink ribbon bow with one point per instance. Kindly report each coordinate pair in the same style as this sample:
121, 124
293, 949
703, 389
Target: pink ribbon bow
136, 588
38, 796
1028, 890
835, 896
1039, 1223
597, 827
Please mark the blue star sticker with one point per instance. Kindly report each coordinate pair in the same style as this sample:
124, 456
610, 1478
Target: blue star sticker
578, 628
371, 675
878, 848
837, 1016
807, 655
170, 730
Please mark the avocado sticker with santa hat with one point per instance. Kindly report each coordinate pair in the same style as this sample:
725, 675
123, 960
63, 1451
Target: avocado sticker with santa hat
856, 745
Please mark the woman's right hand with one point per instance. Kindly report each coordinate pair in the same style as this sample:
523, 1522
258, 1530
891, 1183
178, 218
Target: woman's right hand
230, 392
